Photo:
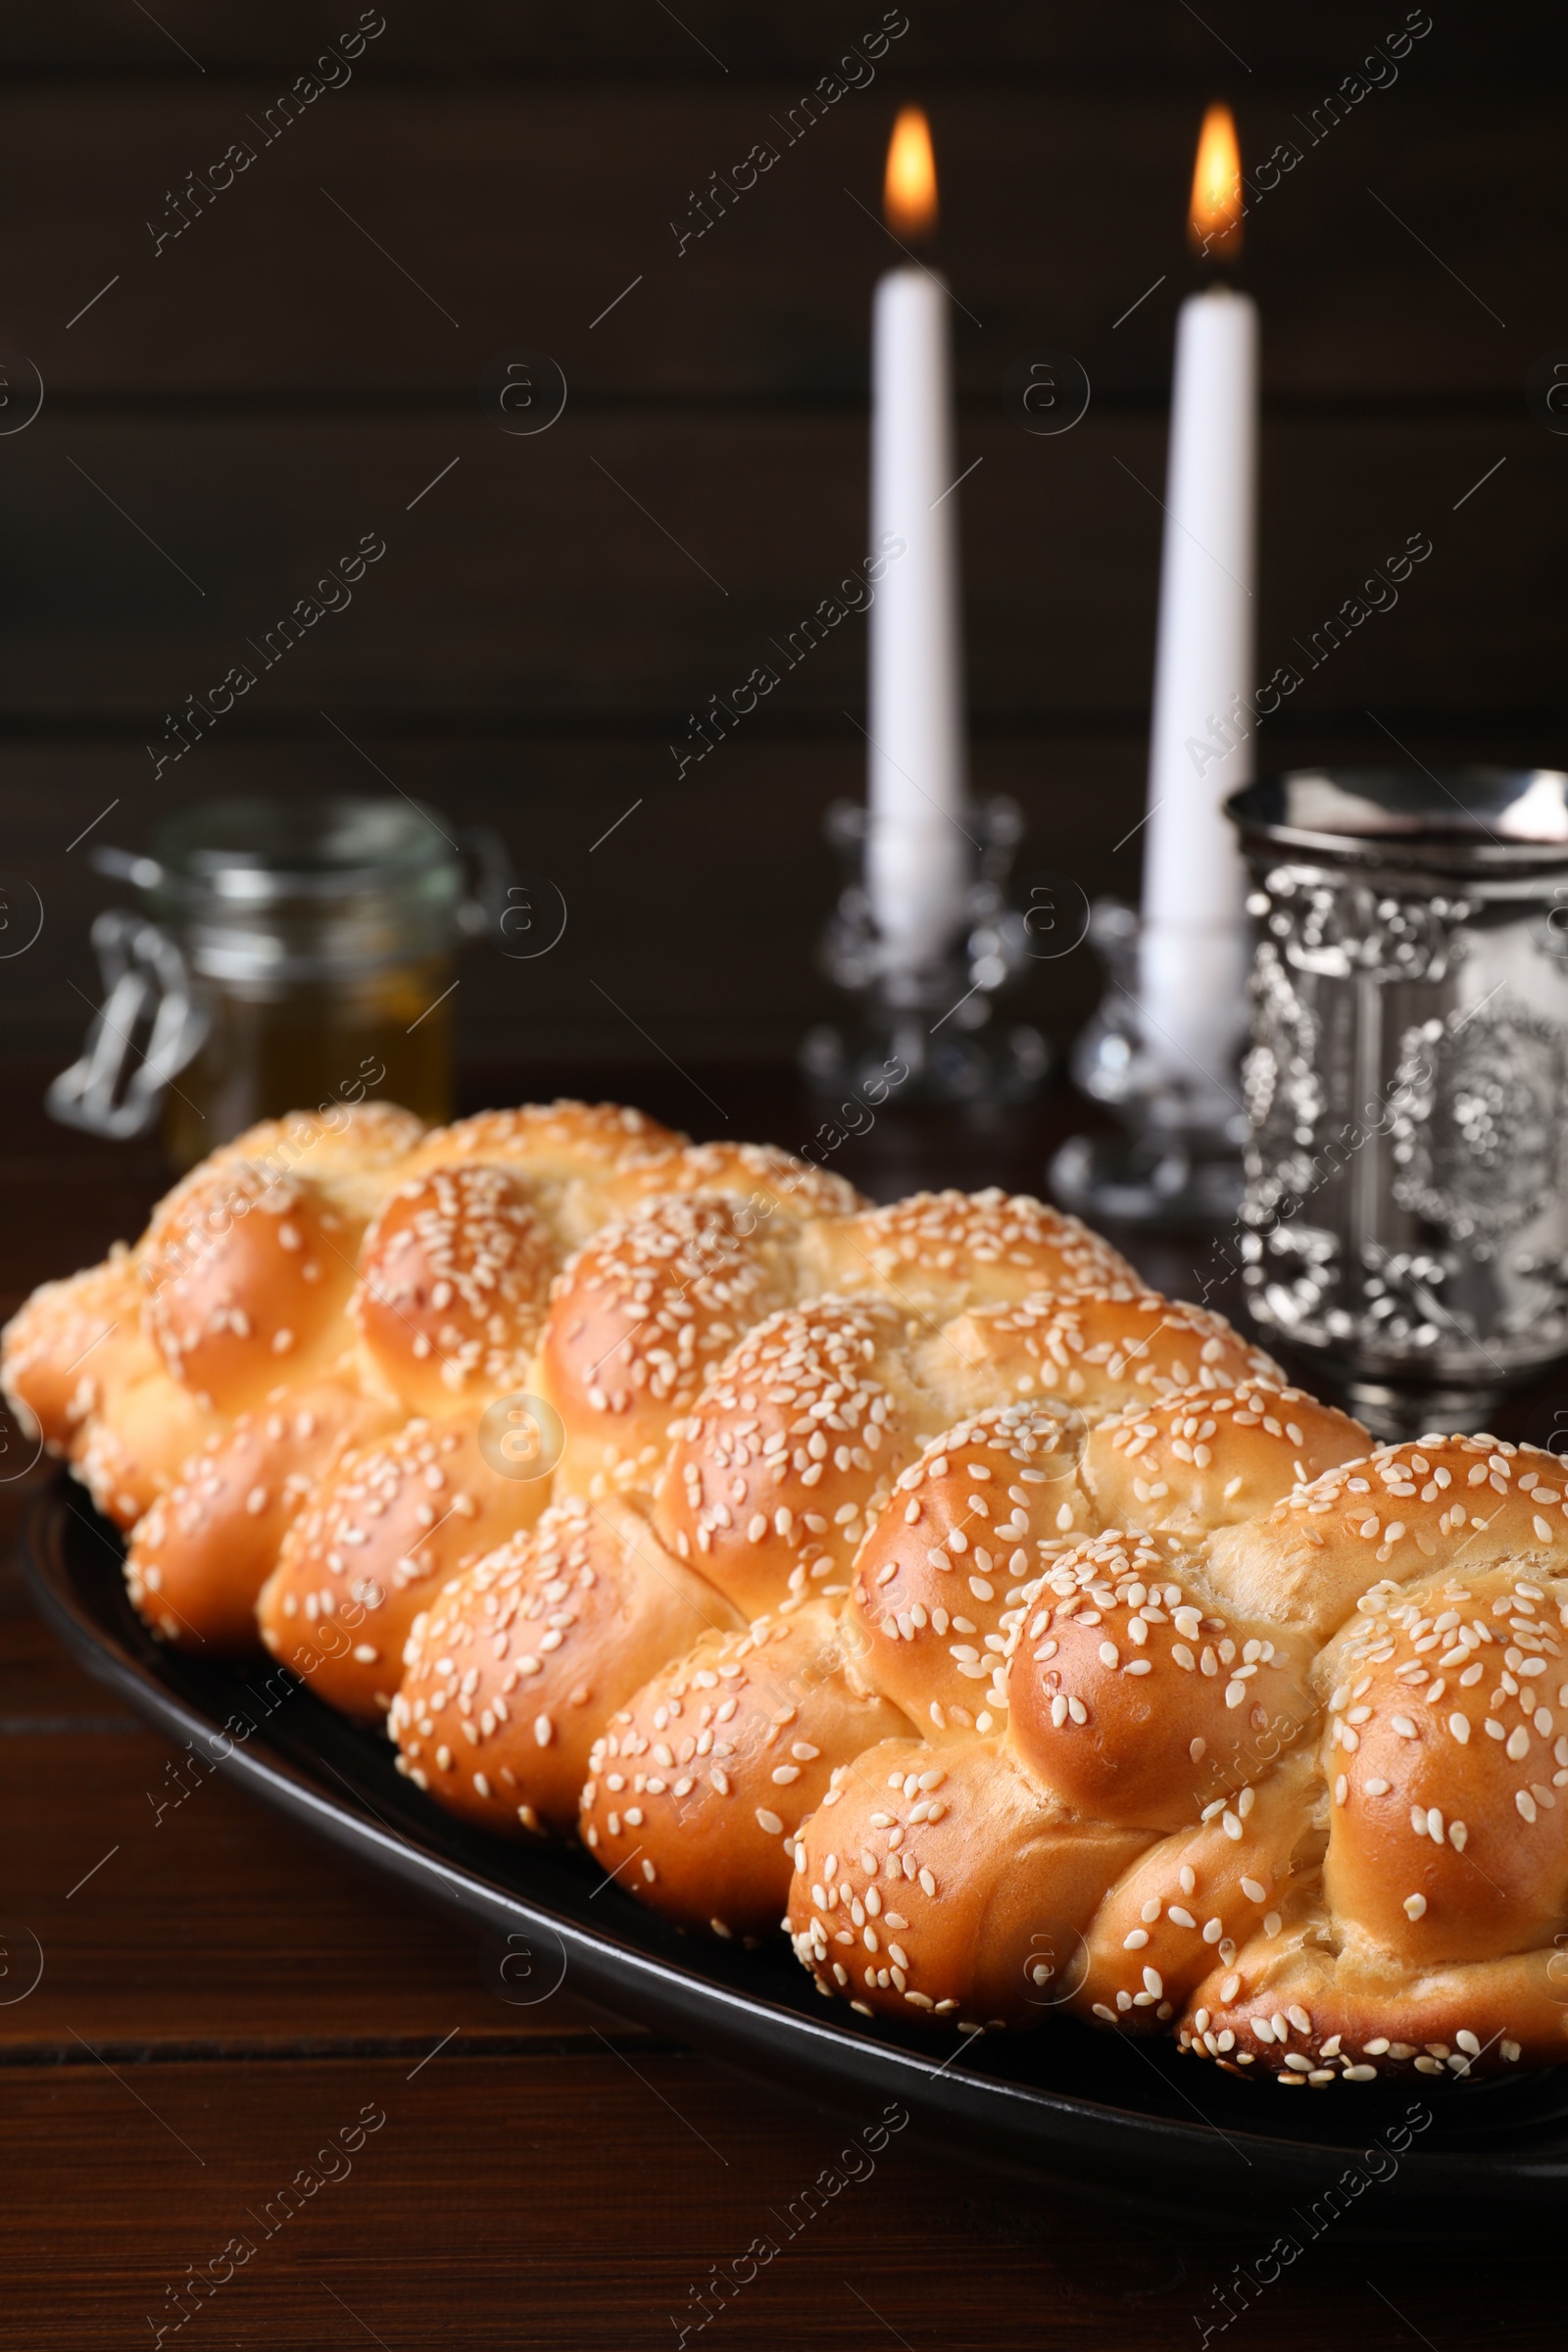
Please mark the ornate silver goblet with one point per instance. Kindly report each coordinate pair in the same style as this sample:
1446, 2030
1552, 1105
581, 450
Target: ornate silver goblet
1405, 1224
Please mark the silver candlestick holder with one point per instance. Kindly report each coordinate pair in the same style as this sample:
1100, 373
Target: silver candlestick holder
937, 1021
1174, 1157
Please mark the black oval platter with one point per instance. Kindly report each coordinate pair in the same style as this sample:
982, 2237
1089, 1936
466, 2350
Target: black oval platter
1135, 2121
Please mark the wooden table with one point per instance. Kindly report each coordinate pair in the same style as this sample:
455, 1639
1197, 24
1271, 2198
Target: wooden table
224, 2010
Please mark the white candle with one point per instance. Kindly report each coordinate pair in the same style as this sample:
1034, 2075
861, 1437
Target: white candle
1194, 947
917, 856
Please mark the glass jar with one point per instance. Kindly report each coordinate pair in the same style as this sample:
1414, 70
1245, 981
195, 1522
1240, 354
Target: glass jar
287, 955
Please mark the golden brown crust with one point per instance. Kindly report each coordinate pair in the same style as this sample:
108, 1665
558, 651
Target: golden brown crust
567, 1155
1101, 1351
943, 1574
774, 1475
515, 1666
247, 1276
1133, 1697
944, 1577
357, 1566
1446, 1750
200, 1556
1190, 1466
131, 1448
58, 1360
770, 1182
80, 1369
697, 1788
1393, 1517
1188, 1903
1290, 2007
455, 1277
131, 1366
1227, 1720
938, 1884
639, 1317
1307, 1824
347, 1140
939, 1253
352, 1151
555, 1141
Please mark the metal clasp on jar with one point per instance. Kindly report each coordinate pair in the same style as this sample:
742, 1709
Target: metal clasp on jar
116, 1087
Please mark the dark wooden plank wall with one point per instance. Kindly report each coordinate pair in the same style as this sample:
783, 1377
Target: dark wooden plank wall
266, 387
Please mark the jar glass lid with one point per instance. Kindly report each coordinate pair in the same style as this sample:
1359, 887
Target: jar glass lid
259, 852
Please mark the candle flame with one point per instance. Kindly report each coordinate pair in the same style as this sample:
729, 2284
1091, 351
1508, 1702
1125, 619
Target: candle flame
909, 191
1214, 220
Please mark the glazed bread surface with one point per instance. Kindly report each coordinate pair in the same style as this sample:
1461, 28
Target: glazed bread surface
909, 1577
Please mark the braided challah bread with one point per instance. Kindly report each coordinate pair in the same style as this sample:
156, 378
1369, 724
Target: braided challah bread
1326, 1739
302, 1289
924, 1629
812, 1406
232, 1297
914, 1577
790, 1452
